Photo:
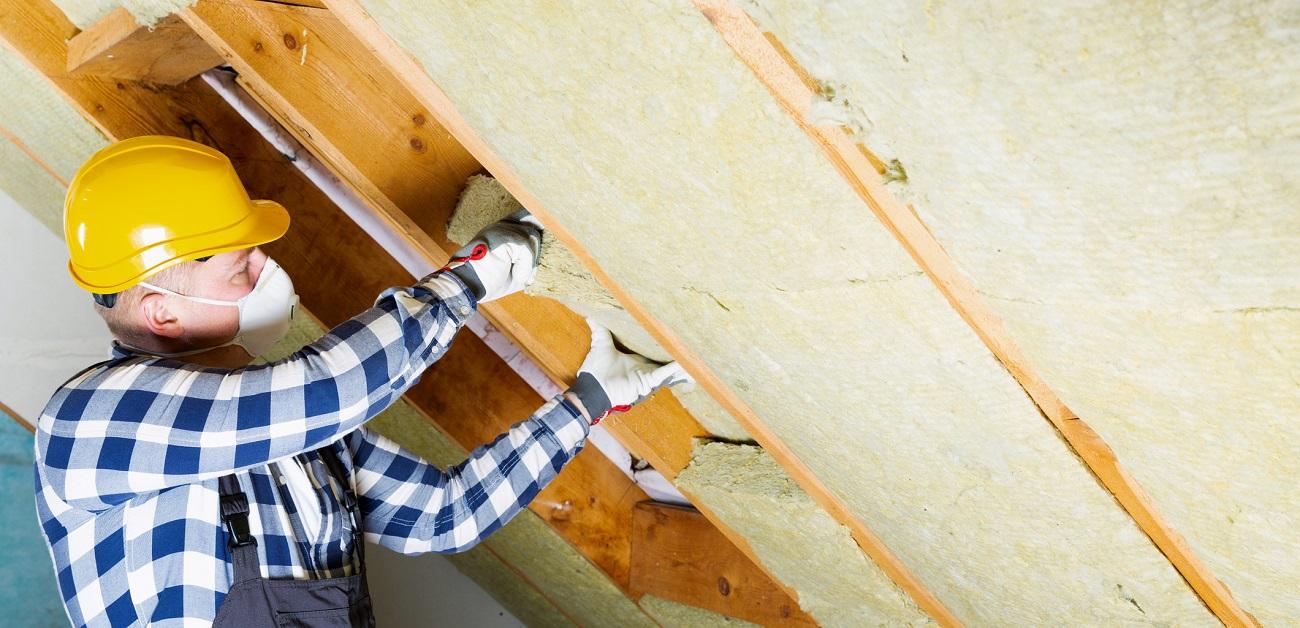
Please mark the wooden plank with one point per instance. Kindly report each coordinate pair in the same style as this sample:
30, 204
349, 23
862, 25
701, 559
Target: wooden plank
678, 555
397, 156
323, 249
30, 427
787, 81
311, 73
432, 97
118, 46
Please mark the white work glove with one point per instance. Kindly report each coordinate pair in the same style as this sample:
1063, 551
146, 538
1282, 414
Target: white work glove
502, 258
612, 381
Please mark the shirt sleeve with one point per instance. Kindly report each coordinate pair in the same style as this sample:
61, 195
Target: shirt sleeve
142, 424
413, 507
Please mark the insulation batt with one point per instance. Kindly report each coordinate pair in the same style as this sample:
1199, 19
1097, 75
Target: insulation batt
48, 126
562, 277
636, 126
83, 13
1120, 180
837, 584
670, 614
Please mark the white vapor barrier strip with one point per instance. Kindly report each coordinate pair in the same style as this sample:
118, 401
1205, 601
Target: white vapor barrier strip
417, 263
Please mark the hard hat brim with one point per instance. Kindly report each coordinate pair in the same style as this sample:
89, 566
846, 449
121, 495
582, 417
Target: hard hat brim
267, 221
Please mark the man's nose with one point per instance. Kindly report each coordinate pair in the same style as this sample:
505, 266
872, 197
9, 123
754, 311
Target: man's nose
256, 262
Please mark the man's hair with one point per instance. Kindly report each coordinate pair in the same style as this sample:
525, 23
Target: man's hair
123, 319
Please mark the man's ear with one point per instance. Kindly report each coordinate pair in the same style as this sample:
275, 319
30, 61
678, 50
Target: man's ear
157, 318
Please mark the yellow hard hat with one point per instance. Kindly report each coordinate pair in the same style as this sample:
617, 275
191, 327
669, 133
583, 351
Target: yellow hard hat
145, 204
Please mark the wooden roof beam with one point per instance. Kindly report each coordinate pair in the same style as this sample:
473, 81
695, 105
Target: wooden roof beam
388, 147
669, 449
324, 250
678, 555
117, 46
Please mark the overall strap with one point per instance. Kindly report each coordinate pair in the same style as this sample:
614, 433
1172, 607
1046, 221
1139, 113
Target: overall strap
243, 547
335, 467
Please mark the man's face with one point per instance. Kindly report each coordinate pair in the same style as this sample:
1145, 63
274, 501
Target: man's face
226, 277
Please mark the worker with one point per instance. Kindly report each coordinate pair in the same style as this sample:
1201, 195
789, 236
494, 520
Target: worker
178, 484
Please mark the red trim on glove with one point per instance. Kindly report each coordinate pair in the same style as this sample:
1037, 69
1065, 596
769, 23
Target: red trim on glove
480, 251
622, 408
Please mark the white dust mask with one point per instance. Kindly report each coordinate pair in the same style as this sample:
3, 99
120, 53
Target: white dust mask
264, 313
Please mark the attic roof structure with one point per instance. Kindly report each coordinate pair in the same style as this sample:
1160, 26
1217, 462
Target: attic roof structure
992, 309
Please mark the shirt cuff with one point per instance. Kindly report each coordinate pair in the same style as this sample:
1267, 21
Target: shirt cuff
565, 422
452, 291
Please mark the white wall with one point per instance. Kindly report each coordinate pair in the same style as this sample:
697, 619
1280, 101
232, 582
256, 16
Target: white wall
49, 331
48, 328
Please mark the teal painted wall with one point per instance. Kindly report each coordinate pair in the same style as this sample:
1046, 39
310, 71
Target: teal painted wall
28, 593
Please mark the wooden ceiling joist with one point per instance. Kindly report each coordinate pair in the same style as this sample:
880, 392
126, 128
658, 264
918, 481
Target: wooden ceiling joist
678, 555
590, 504
431, 96
791, 86
361, 120
324, 250
168, 53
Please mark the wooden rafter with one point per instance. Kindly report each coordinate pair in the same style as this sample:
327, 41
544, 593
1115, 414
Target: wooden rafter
678, 555
590, 505
167, 53
432, 97
323, 249
397, 156
790, 85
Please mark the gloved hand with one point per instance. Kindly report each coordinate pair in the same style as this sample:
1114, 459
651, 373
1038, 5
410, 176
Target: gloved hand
502, 258
612, 381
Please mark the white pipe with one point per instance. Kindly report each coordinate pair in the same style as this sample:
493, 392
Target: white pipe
418, 264
411, 258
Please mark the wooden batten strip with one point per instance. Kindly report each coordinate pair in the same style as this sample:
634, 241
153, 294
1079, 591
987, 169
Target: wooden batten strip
789, 85
30, 427
432, 97
167, 53
26, 150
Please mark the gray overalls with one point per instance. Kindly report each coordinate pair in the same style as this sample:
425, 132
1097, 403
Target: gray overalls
255, 601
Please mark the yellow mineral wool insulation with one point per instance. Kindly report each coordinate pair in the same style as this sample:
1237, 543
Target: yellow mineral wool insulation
562, 277
1120, 182
794, 538
31, 186
43, 120
670, 614
639, 129
83, 13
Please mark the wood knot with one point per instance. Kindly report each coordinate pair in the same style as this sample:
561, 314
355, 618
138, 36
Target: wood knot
417, 144
289, 41
724, 587
418, 119
257, 46
562, 511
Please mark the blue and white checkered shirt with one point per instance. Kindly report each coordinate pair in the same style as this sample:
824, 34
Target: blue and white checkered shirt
128, 455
